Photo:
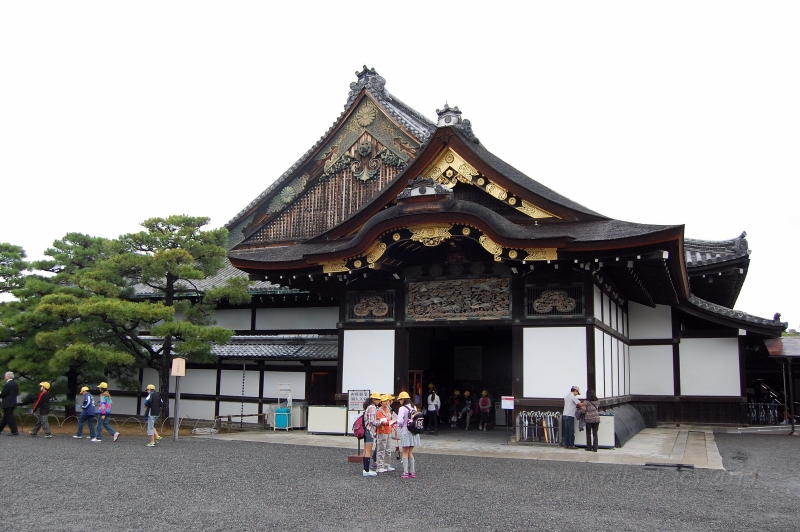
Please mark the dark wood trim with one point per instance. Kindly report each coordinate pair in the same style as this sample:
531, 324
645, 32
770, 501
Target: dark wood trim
340, 362
517, 361
253, 318
307, 368
261, 388
657, 341
723, 333
401, 343
611, 332
676, 351
218, 387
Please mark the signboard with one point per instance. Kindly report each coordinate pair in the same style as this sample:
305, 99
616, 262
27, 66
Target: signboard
356, 398
178, 367
507, 402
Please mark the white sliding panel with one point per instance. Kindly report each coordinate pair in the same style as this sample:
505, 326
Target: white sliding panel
651, 370
710, 366
553, 360
369, 361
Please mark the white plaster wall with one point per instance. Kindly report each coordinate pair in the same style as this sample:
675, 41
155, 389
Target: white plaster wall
553, 360
272, 379
150, 376
236, 319
598, 302
710, 366
623, 368
297, 318
651, 370
625, 331
606, 313
235, 408
122, 406
599, 365
194, 409
200, 381
368, 361
231, 383
649, 323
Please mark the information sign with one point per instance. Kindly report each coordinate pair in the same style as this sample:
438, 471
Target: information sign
356, 398
507, 402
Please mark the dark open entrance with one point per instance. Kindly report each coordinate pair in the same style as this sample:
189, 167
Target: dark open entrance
473, 359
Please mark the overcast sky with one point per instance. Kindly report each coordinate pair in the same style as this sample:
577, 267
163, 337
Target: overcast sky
651, 112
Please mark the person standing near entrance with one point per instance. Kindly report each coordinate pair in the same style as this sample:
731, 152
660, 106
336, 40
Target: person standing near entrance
407, 440
571, 403
485, 406
9, 403
592, 417
434, 404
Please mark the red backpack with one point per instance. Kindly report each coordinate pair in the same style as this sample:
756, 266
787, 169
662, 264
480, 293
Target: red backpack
358, 427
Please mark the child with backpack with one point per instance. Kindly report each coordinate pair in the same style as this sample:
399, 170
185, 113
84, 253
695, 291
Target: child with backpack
370, 430
43, 404
408, 439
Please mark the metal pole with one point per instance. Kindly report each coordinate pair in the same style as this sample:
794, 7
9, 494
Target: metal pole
791, 395
176, 418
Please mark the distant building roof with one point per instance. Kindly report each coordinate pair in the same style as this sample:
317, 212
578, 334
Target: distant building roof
706, 252
786, 346
277, 347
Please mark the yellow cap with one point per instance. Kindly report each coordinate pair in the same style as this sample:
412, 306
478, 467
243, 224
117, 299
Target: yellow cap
466, 394
404, 395
456, 392
151, 387
103, 385
45, 385
375, 395
386, 397
485, 392
84, 389
431, 385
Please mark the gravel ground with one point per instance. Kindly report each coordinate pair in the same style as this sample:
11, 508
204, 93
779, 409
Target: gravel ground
66, 484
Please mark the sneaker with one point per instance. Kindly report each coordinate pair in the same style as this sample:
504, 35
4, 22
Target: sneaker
76, 436
95, 439
116, 436
48, 435
32, 434
158, 440
382, 470
405, 475
15, 433
412, 475
151, 444
389, 469
369, 473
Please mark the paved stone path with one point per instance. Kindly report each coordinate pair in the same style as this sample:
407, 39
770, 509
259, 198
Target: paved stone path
667, 444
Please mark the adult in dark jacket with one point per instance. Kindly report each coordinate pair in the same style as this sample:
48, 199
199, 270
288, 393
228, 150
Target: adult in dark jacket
9, 403
152, 405
43, 405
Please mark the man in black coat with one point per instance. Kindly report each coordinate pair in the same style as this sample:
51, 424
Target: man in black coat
9, 403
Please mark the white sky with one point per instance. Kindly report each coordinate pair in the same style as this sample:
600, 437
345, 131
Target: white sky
666, 113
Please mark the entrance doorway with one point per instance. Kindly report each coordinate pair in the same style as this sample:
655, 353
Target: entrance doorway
464, 359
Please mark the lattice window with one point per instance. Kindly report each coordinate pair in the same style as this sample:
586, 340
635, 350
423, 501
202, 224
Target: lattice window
554, 301
370, 306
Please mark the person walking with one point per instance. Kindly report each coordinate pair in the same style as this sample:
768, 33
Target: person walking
571, 403
592, 418
103, 411
8, 403
87, 414
467, 409
407, 440
485, 406
43, 405
385, 423
152, 409
434, 404
370, 430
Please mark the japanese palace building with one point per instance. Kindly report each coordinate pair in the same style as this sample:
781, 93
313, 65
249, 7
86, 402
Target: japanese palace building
399, 251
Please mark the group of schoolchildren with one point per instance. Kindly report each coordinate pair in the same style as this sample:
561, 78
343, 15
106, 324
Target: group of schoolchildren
464, 407
382, 428
96, 414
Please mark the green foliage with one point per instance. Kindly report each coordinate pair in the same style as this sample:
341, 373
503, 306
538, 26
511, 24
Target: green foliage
12, 264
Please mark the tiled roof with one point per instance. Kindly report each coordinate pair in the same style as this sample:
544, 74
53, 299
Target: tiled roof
368, 79
226, 272
599, 230
787, 346
279, 347
734, 314
706, 252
